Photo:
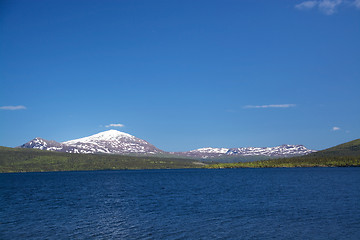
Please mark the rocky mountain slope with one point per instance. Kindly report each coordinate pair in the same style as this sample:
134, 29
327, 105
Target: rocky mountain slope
279, 151
111, 141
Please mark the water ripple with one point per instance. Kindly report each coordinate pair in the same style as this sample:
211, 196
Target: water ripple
312, 203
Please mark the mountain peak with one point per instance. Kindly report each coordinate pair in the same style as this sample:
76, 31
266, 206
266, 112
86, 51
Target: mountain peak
43, 144
111, 141
112, 133
109, 135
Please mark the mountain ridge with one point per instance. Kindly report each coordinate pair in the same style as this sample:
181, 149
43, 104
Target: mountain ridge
282, 150
35, 160
116, 142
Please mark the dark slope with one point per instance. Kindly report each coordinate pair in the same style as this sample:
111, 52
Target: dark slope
351, 148
33, 160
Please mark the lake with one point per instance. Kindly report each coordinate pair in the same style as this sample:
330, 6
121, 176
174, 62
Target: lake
277, 203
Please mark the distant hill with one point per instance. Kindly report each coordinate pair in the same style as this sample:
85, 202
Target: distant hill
343, 155
35, 160
351, 148
245, 153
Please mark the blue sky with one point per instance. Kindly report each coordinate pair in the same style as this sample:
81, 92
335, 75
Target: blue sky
181, 74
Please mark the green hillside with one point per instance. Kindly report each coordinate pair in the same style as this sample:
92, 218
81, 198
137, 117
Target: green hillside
32, 160
233, 159
351, 148
305, 161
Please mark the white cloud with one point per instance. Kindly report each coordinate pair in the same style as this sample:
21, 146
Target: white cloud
306, 5
328, 7
356, 3
335, 129
115, 125
271, 106
20, 107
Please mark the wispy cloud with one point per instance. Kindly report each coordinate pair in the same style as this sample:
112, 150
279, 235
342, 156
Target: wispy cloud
356, 3
306, 5
328, 7
19, 107
335, 129
115, 125
271, 106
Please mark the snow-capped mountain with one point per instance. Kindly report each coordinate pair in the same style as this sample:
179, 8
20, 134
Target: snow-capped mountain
279, 151
111, 141
204, 152
42, 144
116, 142
283, 150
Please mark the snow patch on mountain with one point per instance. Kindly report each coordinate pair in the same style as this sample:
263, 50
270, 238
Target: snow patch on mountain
211, 150
110, 135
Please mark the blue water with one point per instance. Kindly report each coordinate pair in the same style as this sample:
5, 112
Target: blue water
299, 203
